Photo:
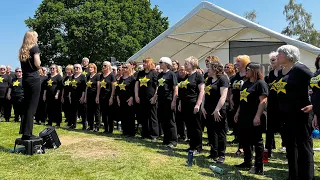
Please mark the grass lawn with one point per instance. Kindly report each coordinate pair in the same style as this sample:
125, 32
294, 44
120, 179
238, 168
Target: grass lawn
87, 155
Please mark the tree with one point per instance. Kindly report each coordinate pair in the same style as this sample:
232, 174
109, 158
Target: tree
300, 24
251, 15
72, 29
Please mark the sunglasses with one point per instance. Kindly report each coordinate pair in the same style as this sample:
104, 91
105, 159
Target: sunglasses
227, 67
104, 65
77, 67
125, 67
273, 60
52, 68
2, 68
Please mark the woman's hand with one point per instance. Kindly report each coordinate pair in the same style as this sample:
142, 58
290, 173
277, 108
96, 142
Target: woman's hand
97, 100
204, 113
307, 109
110, 101
196, 109
256, 121
130, 101
235, 118
315, 124
137, 100
217, 116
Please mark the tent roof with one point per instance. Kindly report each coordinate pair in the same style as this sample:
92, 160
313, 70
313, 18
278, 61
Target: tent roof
205, 29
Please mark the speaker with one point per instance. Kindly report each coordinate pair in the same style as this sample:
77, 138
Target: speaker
50, 138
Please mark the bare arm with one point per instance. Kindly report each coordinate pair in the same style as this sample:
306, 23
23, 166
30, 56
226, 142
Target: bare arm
262, 104
37, 61
222, 100
201, 94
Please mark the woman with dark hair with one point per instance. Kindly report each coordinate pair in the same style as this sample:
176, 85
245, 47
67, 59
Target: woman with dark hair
190, 102
315, 97
52, 96
253, 98
229, 70
214, 110
92, 97
29, 56
180, 121
41, 112
175, 67
208, 61
146, 95
292, 89
125, 94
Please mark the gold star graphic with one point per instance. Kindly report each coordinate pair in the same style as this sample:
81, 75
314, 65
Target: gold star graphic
206, 79
273, 86
16, 83
67, 83
50, 82
207, 89
244, 95
184, 83
161, 81
122, 86
74, 83
236, 84
1, 79
84, 73
103, 84
144, 81
280, 85
314, 82
89, 83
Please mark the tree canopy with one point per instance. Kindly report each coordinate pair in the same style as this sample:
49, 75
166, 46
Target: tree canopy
72, 29
251, 15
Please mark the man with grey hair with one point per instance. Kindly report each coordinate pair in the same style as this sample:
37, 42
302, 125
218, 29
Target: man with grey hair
294, 107
84, 64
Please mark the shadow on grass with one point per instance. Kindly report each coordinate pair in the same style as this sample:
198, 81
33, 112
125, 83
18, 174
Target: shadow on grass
3, 149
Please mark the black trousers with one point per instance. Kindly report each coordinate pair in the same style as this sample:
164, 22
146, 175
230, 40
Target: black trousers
54, 110
31, 87
17, 103
78, 109
107, 114
127, 119
5, 108
299, 145
252, 136
194, 125
149, 120
41, 112
66, 106
93, 113
274, 125
167, 118
217, 134
181, 125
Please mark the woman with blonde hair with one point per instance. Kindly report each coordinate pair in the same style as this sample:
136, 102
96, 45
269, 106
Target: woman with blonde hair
29, 56
92, 97
106, 90
145, 95
52, 96
65, 98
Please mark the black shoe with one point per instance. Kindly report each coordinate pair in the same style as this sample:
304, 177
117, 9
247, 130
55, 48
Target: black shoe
154, 140
255, 170
221, 159
246, 165
7, 120
171, 146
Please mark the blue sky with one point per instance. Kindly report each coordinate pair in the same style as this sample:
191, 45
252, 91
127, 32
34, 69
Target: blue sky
269, 14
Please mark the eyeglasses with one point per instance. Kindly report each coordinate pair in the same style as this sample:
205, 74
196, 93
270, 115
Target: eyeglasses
2, 68
227, 67
273, 60
247, 69
18, 71
160, 62
76, 67
52, 68
104, 65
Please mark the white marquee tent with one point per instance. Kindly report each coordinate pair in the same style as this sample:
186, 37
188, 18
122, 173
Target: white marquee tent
212, 30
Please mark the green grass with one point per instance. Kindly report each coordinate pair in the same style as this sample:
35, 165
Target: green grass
86, 155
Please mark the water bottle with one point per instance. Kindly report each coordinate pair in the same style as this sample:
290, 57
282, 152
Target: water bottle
190, 158
265, 156
216, 169
119, 126
316, 134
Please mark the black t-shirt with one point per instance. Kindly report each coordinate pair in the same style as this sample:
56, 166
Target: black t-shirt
166, 81
177, 74
106, 85
28, 67
5, 81
16, 88
212, 92
181, 90
273, 105
67, 85
250, 99
53, 84
43, 80
85, 71
292, 88
191, 89
315, 97
148, 83
206, 77
236, 83
78, 86
125, 88
92, 85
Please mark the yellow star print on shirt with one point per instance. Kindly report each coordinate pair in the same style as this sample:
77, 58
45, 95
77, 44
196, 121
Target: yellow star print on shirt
184, 83
273, 86
74, 83
122, 86
103, 84
314, 82
16, 83
1, 79
50, 82
67, 83
206, 79
84, 73
89, 83
144, 81
161, 81
280, 85
236, 84
207, 89
244, 95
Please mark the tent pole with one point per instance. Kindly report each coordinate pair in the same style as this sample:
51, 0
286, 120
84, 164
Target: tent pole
205, 31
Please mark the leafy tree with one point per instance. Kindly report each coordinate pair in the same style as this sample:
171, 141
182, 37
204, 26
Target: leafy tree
72, 29
300, 24
251, 15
